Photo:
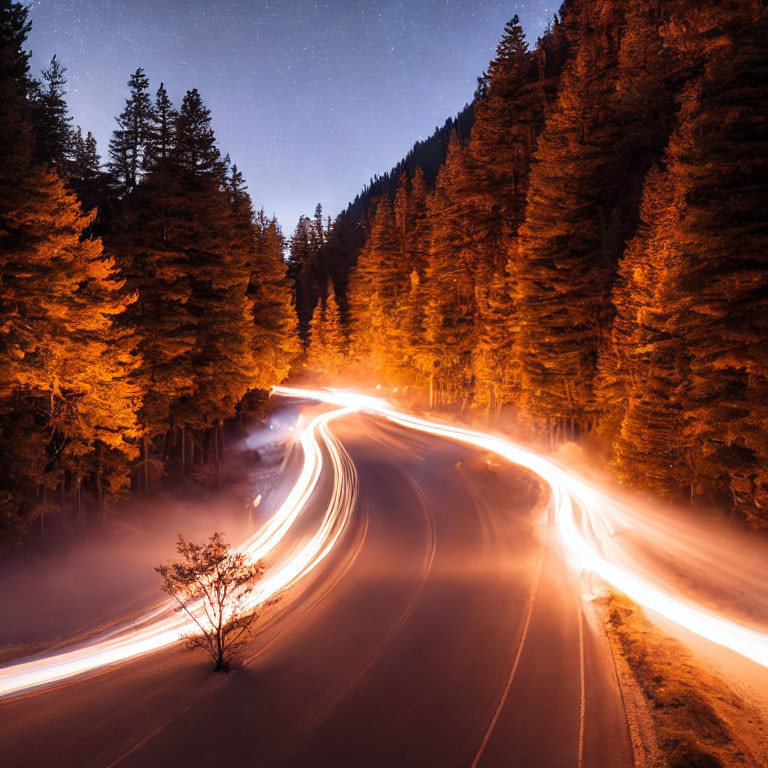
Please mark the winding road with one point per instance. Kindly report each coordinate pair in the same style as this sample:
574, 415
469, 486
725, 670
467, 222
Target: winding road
443, 628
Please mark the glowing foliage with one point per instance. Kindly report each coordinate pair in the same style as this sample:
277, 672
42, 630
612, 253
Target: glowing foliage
108, 355
326, 351
593, 256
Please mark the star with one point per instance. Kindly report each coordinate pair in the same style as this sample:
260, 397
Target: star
309, 98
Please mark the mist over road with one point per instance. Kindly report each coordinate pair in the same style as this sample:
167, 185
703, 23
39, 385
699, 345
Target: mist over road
443, 629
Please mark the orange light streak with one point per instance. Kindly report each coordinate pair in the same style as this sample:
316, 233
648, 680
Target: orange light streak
588, 540
586, 519
163, 626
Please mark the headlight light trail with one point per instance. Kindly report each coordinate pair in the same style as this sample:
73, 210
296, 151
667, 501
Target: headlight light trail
163, 625
586, 519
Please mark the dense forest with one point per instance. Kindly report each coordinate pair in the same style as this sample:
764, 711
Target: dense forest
591, 260
582, 251
139, 303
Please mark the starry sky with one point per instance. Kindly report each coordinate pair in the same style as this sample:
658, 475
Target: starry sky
309, 97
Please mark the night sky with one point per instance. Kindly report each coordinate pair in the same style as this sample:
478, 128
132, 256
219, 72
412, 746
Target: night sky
309, 98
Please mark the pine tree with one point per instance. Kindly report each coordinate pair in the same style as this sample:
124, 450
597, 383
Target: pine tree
316, 346
188, 255
86, 162
161, 132
157, 269
52, 122
326, 351
582, 207
21, 441
335, 336
405, 310
418, 363
67, 365
16, 142
454, 273
276, 340
684, 374
723, 316
496, 378
128, 146
15, 97
509, 115
218, 253
84, 172
67, 409
304, 270
318, 228
194, 149
507, 121
239, 199
347, 237
644, 370
375, 287
410, 212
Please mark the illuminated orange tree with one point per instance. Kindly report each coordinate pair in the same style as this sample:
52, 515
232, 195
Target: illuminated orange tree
276, 340
326, 350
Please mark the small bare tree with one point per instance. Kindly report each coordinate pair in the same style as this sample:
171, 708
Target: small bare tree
212, 584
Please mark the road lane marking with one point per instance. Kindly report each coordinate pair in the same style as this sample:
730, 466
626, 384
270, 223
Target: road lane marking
516, 662
333, 701
283, 619
591, 543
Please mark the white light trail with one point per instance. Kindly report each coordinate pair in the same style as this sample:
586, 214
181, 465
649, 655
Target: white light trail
586, 519
589, 541
164, 626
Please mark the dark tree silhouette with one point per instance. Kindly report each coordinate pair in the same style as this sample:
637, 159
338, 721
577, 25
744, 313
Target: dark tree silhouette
128, 146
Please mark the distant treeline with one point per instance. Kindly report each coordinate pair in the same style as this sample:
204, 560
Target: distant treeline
138, 303
427, 155
592, 259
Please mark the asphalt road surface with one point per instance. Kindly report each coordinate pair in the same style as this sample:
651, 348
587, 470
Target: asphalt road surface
444, 630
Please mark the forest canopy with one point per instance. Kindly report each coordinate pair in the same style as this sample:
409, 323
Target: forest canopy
590, 257
140, 301
581, 252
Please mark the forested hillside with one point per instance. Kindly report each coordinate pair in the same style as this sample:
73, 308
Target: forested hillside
138, 304
582, 249
593, 259
323, 251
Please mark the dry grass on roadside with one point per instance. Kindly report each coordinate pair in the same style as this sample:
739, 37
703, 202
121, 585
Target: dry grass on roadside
699, 720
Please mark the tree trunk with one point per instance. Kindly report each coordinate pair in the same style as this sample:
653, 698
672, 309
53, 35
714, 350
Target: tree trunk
99, 483
220, 665
78, 506
42, 518
145, 448
217, 434
491, 403
164, 446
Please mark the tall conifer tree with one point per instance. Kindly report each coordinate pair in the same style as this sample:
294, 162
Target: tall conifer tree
327, 340
54, 135
67, 405
128, 146
276, 339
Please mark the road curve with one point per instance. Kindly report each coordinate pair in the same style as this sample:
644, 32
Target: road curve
443, 629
